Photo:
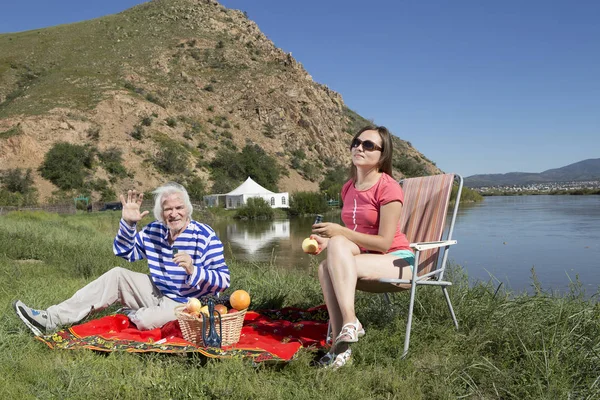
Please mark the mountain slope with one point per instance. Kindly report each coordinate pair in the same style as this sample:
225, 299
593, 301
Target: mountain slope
586, 170
188, 72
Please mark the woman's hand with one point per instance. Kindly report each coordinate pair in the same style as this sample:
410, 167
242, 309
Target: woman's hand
327, 229
131, 207
322, 243
184, 260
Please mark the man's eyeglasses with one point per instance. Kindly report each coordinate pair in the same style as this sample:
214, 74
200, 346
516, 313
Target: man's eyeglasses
367, 145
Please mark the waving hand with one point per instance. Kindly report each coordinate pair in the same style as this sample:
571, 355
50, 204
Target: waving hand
131, 207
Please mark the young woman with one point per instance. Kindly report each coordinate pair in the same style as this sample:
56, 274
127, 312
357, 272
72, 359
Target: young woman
370, 245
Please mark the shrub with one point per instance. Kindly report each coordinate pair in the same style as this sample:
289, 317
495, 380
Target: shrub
17, 188
171, 158
151, 97
93, 132
307, 203
14, 131
333, 181
102, 187
269, 130
67, 165
196, 188
255, 207
252, 162
172, 122
146, 121
409, 166
112, 162
138, 132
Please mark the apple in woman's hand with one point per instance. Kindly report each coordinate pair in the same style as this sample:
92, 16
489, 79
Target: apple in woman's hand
310, 246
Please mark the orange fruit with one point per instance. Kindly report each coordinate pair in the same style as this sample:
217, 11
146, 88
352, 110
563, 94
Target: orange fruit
240, 300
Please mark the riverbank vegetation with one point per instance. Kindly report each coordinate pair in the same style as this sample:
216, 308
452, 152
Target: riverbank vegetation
509, 345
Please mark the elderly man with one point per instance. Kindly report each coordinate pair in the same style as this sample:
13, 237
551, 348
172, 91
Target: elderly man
185, 259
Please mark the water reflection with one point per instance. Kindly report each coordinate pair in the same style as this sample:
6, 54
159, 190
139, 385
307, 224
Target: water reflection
278, 242
253, 238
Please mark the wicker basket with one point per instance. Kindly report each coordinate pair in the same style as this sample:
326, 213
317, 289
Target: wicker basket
191, 326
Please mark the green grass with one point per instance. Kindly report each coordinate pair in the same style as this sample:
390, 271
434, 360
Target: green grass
14, 131
509, 346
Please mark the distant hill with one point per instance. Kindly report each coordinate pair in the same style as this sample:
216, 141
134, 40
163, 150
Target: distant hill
586, 170
188, 73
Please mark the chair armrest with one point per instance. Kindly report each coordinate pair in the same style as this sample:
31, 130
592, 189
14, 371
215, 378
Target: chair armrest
432, 245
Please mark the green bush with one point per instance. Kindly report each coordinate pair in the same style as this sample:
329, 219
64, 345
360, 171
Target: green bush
307, 203
17, 188
467, 195
67, 165
410, 167
138, 132
253, 162
112, 162
255, 207
333, 181
172, 158
196, 188
102, 187
172, 122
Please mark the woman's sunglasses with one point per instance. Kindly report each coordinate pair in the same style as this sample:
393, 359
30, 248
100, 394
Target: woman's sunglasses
367, 145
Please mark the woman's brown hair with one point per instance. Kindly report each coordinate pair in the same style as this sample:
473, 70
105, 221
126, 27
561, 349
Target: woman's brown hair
385, 162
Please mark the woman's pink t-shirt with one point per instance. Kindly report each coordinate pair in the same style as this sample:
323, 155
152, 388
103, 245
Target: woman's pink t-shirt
361, 208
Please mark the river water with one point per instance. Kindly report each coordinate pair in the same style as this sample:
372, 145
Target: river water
500, 239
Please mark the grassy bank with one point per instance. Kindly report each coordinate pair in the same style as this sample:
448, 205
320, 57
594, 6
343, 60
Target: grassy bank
508, 346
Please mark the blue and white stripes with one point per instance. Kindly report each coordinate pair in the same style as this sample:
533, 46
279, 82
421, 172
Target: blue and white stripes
211, 274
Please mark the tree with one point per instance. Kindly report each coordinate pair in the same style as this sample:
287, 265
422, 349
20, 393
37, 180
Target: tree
67, 165
172, 158
229, 168
17, 188
307, 203
196, 188
333, 181
255, 207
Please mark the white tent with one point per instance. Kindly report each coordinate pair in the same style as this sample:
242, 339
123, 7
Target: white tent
240, 195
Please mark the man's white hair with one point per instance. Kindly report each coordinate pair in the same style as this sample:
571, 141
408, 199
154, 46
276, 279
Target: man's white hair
168, 189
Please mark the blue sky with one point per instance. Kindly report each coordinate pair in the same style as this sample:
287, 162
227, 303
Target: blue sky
477, 86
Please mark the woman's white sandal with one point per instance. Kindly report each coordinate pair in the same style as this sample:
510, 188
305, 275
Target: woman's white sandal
350, 333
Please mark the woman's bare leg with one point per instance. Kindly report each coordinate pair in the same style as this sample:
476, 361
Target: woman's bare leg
345, 266
333, 308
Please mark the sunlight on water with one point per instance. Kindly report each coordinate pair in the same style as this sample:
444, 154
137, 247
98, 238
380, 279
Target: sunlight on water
501, 239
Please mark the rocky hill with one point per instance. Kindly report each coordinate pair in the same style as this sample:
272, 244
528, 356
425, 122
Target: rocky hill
586, 170
189, 73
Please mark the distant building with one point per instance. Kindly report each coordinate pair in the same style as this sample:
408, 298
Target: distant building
240, 195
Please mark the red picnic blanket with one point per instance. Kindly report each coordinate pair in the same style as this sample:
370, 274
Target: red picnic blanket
267, 335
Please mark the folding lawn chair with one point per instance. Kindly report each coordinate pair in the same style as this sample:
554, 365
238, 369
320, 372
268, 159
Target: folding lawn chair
423, 218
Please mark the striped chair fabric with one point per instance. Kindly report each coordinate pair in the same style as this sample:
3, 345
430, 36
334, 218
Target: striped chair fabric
424, 214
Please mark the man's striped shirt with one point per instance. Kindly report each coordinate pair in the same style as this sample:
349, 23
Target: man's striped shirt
211, 274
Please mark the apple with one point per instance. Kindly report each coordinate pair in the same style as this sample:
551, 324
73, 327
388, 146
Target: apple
232, 310
193, 306
221, 308
310, 246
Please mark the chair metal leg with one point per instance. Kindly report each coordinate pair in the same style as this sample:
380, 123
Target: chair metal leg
445, 290
413, 290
